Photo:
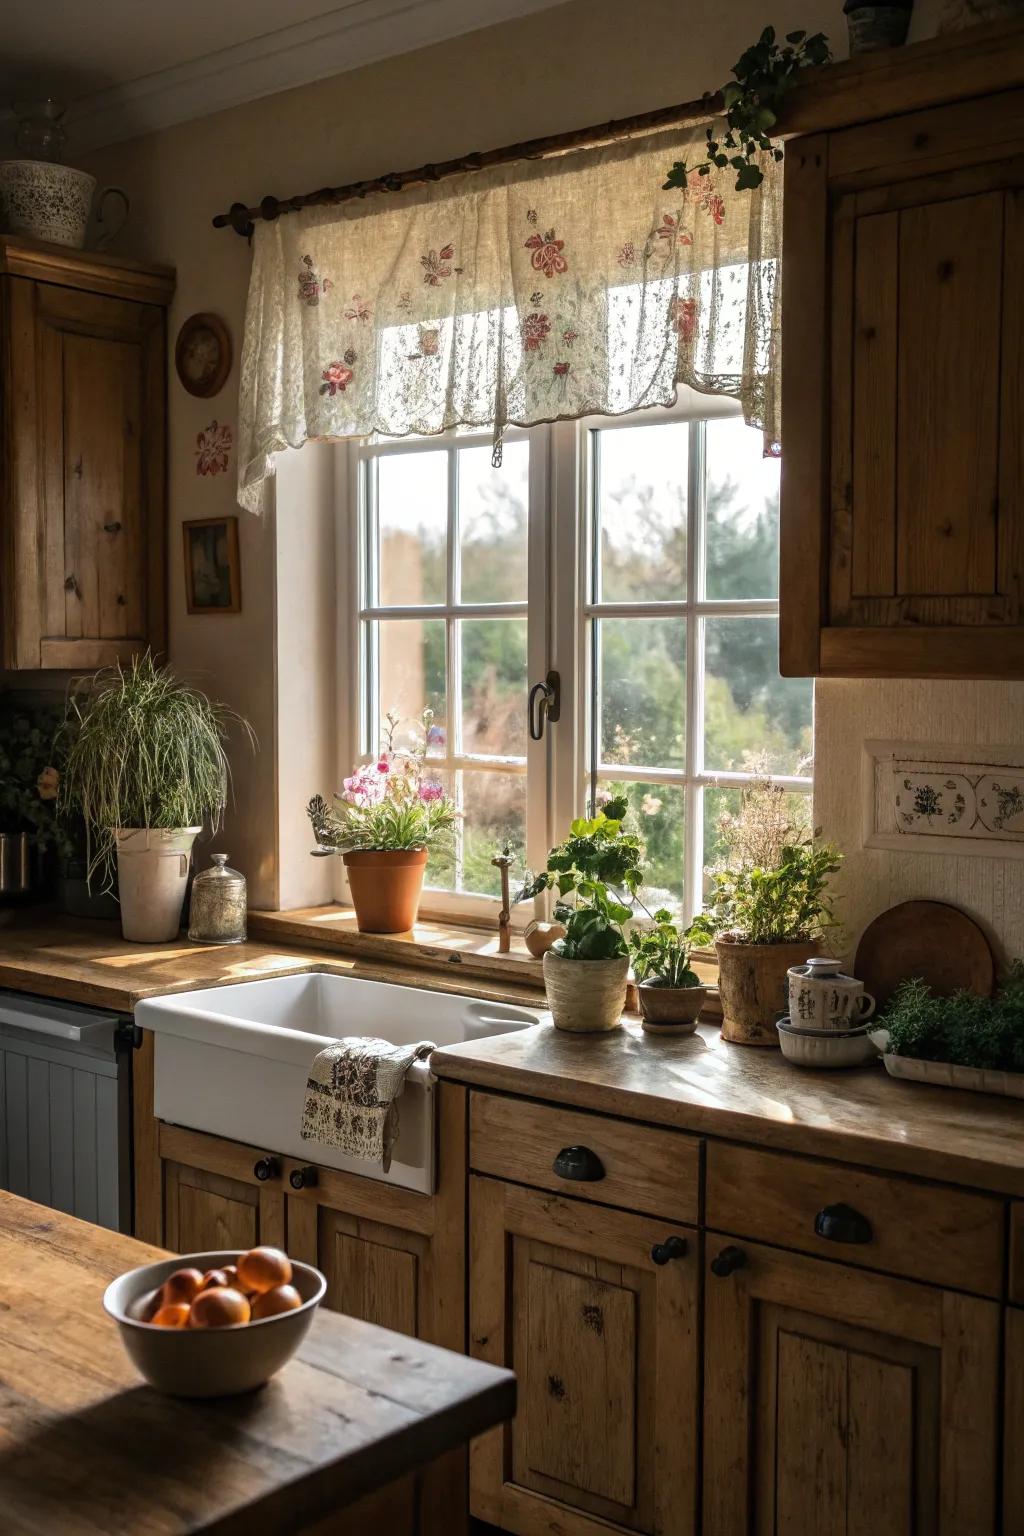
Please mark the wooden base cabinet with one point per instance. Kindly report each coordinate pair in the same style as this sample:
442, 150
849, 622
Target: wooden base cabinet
840, 1402
596, 1310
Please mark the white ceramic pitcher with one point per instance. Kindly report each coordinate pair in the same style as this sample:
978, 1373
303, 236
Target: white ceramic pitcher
821, 997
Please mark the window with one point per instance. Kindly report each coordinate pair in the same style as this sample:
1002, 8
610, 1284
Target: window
639, 558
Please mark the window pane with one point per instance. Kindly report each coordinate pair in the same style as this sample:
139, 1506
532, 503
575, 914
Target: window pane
494, 687
492, 524
440, 871
494, 813
412, 525
742, 498
642, 691
657, 812
411, 676
641, 478
750, 712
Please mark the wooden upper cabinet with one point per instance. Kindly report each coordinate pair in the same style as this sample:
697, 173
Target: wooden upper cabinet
903, 396
84, 493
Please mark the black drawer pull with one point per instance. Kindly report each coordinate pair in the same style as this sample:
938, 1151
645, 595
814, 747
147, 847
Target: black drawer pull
303, 1178
266, 1168
671, 1248
728, 1261
111, 527
842, 1224
579, 1163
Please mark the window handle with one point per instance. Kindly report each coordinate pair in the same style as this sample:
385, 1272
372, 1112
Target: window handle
545, 699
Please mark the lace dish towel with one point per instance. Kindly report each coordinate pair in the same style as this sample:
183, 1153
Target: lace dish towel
352, 1092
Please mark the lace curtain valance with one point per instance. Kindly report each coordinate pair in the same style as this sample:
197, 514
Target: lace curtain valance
533, 292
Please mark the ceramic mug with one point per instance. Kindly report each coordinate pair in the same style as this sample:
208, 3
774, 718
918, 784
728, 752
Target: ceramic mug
821, 997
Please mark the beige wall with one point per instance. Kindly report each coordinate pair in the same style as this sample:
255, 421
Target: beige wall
577, 63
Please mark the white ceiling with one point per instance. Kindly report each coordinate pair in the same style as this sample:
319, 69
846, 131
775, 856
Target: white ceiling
127, 67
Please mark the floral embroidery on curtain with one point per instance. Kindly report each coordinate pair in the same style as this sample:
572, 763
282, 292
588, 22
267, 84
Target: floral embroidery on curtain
528, 293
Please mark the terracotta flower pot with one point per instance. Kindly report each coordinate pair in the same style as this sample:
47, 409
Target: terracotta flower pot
753, 985
670, 1010
585, 996
386, 885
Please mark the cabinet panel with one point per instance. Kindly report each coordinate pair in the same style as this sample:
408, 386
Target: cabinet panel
603, 1339
212, 1198
373, 1272
85, 497
1013, 1426
841, 1402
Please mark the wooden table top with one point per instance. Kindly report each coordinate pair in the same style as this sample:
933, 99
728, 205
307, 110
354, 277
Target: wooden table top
703, 1084
87, 1449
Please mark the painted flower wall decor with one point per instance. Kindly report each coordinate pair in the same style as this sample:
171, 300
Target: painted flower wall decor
213, 449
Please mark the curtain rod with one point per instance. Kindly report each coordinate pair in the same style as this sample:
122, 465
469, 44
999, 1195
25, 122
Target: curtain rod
685, 114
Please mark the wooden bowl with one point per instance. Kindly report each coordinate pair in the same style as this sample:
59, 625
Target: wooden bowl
209, 1362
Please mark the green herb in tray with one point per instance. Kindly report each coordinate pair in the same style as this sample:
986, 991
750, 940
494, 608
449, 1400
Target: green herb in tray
966, 1030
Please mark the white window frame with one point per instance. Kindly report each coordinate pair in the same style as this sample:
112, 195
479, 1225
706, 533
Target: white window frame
561, 573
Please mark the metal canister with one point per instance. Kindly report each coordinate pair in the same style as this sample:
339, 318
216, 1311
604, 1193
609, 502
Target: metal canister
217, 912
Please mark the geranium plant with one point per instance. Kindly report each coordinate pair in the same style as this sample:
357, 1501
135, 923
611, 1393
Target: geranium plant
393, 803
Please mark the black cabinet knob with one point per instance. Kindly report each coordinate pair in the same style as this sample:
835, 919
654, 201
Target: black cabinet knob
579, 1163
842, 1224
671, 1248
303, 1178
266, 1168
728, 1261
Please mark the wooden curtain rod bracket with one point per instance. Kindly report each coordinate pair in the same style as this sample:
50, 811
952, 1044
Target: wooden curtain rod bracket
687, 114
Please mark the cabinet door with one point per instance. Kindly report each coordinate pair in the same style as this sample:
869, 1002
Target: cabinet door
212, 1198
87, 482
1013, 1425
603, 1341
903, 497
840, 1402
374, 1271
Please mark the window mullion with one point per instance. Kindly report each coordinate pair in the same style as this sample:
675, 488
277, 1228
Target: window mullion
693, 839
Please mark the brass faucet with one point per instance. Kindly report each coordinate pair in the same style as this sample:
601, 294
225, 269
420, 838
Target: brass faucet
501, 861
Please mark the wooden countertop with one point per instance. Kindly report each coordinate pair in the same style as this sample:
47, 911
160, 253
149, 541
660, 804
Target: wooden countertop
85, 961
703, 1084
87, 1447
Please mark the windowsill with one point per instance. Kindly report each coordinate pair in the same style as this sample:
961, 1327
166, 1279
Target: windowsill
433, 944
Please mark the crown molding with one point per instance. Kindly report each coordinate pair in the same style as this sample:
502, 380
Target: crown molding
356, 33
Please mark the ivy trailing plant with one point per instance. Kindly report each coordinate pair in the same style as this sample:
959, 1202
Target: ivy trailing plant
763, 77
965, 1030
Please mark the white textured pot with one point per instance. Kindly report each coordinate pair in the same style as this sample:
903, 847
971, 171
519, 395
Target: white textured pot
585, 996
152, 875
46, 201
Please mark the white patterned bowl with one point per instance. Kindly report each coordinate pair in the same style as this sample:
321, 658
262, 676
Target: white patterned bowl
47, 202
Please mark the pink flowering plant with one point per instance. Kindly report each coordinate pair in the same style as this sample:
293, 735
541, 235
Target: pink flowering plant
392, 803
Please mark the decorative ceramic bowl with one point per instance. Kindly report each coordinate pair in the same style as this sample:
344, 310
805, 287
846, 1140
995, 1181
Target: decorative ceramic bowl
47, 202
826, 1047
209, 1362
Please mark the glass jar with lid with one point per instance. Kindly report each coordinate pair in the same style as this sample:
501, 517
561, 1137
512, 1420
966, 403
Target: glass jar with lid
217, 912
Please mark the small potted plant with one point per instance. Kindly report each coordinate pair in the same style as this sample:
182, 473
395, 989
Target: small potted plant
585, 971
768, 908
388, 816
144, 766
671, 995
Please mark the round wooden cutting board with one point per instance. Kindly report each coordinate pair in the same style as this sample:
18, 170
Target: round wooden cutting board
930, 939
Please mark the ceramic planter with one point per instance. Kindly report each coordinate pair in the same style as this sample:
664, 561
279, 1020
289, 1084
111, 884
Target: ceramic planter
753, 982
152, 874
670, 1010
876, 26
586, 997
386, 885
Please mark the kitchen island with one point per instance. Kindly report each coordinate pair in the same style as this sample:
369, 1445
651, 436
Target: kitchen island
87, 1447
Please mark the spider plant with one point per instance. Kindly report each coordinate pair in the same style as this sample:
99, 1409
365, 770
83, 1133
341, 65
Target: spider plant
142, 749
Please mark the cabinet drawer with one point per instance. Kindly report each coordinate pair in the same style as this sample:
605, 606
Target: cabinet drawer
924, 1231
637, 1167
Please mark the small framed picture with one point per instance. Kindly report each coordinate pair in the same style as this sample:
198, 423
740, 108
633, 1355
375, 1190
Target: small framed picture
212, 578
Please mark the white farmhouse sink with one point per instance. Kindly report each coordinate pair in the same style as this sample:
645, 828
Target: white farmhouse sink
234, 1060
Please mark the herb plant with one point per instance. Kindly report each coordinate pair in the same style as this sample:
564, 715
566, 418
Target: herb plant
781, 905
966, 1030
661, 954
142, 749
763, 77
597, 861
393, 804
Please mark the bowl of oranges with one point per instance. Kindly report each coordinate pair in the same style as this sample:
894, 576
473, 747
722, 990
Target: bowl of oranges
213, 1324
